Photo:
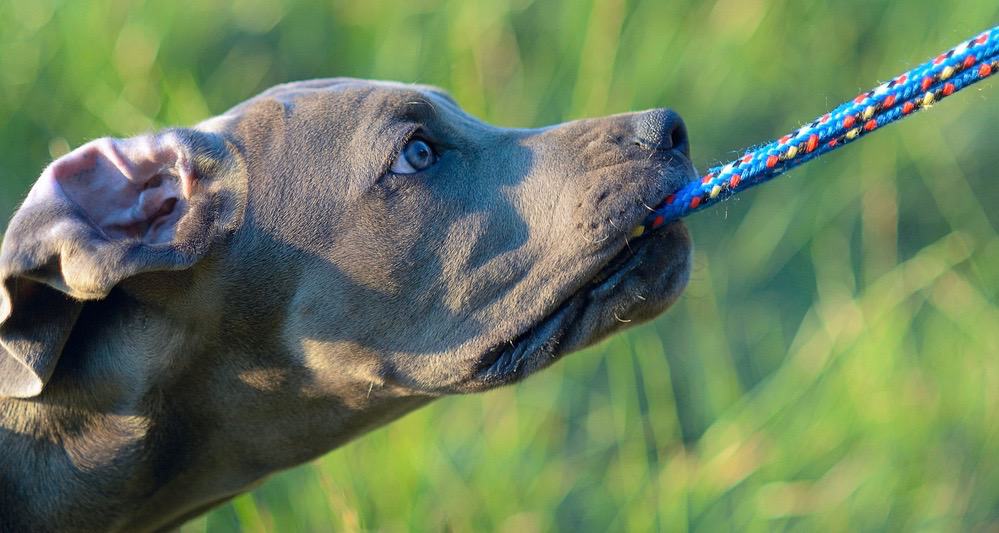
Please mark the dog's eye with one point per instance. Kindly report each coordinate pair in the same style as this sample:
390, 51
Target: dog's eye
417, 155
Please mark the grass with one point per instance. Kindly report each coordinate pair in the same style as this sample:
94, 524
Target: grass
834, 364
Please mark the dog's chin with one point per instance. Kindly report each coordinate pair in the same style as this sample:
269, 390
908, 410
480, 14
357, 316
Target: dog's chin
639, 283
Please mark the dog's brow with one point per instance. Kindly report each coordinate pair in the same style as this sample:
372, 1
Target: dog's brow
422, 109
423, 101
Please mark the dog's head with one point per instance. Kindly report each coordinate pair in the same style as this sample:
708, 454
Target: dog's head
373, 233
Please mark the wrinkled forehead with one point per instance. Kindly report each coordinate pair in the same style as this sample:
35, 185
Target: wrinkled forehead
348, 87
347, 97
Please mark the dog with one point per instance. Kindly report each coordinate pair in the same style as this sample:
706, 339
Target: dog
186, 312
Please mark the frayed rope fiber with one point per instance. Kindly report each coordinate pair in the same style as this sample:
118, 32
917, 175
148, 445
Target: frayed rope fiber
919, 88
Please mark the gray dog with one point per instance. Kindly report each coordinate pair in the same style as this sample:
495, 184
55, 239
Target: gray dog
186, 312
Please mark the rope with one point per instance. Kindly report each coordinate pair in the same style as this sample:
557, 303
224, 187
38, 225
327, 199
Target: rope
919, 88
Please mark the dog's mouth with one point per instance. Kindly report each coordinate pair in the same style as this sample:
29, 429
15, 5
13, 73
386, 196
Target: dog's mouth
562, 330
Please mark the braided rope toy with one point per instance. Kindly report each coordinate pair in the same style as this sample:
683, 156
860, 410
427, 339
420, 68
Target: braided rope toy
919, 88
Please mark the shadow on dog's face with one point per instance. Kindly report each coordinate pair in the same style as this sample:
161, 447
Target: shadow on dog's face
436, 254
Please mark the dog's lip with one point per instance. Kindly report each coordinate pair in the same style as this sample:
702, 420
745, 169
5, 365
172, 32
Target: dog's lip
505, 363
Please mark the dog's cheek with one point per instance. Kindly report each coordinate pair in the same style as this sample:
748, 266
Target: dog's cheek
392, 185
398, 200
385, 245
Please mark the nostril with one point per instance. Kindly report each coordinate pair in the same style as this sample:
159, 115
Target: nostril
678, 137
662, 129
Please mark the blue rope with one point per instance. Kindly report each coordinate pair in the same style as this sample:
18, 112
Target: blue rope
919, 88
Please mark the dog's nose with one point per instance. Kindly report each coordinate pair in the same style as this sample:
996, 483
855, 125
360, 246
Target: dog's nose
661, 129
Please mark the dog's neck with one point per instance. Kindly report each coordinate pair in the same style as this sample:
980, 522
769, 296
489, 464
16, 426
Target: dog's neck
147, 433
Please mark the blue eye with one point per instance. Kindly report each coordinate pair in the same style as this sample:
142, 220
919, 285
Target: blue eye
417, 155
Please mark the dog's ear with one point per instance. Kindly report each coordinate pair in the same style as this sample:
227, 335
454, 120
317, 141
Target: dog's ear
109, 210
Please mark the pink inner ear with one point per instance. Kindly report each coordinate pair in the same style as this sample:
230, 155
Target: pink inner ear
131, 189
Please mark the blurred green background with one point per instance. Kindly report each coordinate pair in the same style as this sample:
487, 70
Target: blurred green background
834, 364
